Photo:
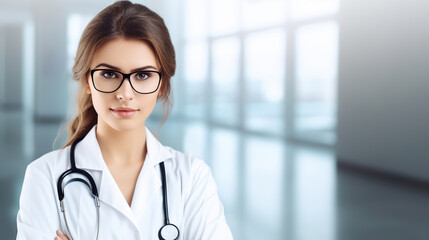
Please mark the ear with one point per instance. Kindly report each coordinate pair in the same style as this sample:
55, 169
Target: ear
160, 90
88, 88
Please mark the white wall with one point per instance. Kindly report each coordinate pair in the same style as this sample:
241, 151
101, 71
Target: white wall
383, 111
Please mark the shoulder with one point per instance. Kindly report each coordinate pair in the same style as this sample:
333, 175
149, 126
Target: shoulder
187, 162
48, 163
190, 171
192, 175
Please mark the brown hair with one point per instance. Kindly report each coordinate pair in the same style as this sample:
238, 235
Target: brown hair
122, 19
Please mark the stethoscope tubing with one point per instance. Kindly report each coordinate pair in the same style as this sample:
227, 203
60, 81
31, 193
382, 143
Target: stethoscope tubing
94, 191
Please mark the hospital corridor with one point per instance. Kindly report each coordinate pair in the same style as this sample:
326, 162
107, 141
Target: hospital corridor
312, 115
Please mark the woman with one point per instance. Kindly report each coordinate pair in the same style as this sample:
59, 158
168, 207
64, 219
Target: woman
123, 64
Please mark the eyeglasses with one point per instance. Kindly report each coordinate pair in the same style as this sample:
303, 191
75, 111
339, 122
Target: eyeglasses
108, 81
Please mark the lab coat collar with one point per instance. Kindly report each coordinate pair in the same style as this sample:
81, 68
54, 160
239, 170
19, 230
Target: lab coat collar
88, 152
88, 156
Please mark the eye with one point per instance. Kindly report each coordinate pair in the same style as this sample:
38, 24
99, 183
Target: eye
108, 74
143, 75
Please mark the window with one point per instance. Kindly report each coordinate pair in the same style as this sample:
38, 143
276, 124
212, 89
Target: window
316, 74
262, 66
264, 80
225, 76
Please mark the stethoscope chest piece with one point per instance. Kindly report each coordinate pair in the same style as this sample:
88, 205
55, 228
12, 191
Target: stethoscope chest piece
169, 232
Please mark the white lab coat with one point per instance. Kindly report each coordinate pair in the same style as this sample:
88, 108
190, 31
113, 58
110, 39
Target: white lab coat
194, 205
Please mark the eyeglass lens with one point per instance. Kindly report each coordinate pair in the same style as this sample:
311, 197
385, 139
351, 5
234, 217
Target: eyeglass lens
109, 81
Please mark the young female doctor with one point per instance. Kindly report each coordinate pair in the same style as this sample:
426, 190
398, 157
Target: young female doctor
113, 179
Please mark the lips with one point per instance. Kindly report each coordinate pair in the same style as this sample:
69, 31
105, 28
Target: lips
124, 111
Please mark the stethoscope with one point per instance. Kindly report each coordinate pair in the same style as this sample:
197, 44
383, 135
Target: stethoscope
167, 232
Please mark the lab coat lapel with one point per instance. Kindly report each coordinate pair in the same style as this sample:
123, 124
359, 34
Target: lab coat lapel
88, 154
89, 158
149, 181
112, 195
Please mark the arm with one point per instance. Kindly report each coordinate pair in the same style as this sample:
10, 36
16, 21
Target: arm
203, 210
38, 215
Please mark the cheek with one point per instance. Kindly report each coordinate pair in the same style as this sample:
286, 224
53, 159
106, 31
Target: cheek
148, 104
97, 98
98, 102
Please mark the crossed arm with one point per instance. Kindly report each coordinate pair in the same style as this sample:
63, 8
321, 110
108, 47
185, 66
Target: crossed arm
60, 236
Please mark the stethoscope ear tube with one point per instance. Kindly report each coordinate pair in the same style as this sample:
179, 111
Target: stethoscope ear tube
73, 169
164, 193
91, 185
168, 231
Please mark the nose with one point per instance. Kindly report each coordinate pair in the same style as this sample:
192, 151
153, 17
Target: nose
125, 92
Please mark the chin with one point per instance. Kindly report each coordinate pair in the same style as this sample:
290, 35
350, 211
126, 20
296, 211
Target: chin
123, 126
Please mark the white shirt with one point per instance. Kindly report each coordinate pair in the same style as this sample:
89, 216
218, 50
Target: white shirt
193, 201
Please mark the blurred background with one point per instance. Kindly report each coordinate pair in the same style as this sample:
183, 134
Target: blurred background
313, 114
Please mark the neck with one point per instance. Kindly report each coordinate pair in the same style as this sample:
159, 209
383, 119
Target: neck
121, 148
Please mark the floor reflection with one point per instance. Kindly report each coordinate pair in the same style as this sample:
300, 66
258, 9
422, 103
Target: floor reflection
271, 189
314, 194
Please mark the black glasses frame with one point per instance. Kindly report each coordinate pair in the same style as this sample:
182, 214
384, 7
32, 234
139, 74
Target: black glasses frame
124, 76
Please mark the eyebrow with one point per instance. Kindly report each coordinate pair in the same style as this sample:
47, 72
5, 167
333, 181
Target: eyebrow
118, 69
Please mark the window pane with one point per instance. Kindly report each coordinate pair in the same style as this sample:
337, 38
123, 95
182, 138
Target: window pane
259, 13
265, 182
264, 80
225, 80
76, 23
195, 139
224, 164
314, 194
195, 19
196, 78
224, 16
313, 8
316, 74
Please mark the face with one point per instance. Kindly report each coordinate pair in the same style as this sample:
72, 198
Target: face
125, 55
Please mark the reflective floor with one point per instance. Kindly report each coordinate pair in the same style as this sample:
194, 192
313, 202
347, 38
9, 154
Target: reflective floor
271, 189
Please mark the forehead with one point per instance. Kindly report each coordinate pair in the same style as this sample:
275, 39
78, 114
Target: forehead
125, 53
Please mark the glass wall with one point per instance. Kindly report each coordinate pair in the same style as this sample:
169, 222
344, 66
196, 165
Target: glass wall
266, 67
316, 74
